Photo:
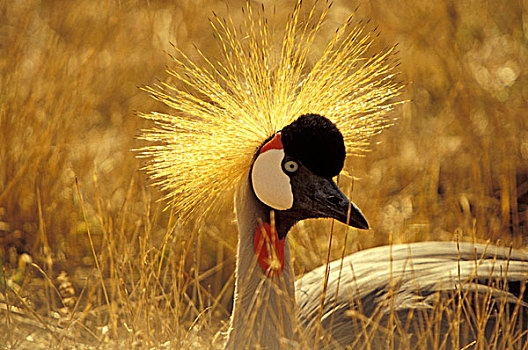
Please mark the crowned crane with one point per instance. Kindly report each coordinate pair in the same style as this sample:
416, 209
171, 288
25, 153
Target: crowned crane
276, 127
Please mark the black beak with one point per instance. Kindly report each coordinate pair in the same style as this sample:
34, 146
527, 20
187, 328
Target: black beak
330, 202
318, 197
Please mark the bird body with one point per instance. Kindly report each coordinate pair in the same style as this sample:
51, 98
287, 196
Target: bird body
277, 128
408, 281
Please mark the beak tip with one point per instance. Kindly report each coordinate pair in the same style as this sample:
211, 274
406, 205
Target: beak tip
356, 218
362, 224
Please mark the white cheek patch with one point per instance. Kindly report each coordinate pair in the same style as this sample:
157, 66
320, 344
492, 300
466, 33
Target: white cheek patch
271, 185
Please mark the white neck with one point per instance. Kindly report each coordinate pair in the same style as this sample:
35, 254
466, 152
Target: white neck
264, 307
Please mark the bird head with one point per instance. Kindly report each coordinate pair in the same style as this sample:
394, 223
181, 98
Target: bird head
273, 90
292, 174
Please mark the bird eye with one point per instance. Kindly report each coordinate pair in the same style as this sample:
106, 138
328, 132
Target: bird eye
290, 166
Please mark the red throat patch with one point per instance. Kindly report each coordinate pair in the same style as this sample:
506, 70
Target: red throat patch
269, 249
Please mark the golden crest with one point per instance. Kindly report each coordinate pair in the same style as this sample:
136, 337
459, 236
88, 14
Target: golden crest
225, 109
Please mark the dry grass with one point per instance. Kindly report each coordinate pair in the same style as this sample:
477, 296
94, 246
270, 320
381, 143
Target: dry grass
456, 164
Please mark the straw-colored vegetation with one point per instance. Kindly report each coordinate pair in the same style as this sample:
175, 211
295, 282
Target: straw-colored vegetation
88, 256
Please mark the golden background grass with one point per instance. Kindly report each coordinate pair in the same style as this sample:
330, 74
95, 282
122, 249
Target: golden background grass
455, 164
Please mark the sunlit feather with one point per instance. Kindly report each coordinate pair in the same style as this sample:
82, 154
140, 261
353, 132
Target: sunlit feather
224, 110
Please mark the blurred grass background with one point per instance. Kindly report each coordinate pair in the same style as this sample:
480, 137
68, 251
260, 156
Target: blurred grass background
455, 164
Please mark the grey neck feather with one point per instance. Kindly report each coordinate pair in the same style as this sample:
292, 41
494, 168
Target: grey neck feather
264, 307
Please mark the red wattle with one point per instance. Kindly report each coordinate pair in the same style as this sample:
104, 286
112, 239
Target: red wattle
266, 239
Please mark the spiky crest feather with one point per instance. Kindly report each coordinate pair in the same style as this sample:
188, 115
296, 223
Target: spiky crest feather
225, 110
